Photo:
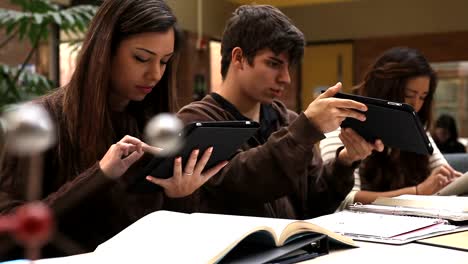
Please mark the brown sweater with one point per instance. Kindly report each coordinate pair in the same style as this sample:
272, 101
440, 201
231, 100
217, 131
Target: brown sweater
281, 176
88, 207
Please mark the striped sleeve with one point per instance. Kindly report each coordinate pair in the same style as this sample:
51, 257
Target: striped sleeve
436, 159
328, 147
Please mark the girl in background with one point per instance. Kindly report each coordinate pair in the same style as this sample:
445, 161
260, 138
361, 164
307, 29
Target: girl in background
400, 75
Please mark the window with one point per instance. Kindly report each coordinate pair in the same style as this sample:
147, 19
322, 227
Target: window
451, 95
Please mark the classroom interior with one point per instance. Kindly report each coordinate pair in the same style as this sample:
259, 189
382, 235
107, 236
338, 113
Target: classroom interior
343, 38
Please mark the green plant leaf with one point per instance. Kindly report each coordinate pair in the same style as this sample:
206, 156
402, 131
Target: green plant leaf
35, 16
10, 26
4, 16
80, 24
33, 33
23, 28
69, 18
88, 12
56, 17
38, 19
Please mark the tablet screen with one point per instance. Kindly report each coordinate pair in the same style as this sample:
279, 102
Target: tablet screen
396, 124
225, 137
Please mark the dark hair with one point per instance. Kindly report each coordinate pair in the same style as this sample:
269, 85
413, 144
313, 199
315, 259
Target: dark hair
388, 76
256, 27
387, 79
448, 122
85, 98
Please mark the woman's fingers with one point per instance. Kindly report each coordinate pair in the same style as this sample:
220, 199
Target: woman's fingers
177, 167
131, 140
181, 186
443, 176
457, 174
132, 158
213, 171
150, 149
204, 159
191, 162
125, 148
443, 180
164, 183
120, 156
379, 145
453, 173
445, 171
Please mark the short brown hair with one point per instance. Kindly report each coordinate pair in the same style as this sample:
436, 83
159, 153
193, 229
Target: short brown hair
256, 27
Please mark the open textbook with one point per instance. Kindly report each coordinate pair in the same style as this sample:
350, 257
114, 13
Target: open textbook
170, 237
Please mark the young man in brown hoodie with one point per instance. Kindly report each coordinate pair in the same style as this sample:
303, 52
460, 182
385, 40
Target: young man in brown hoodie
278, 172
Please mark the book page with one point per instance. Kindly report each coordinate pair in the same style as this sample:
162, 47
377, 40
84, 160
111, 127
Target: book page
299, 227
371, 224
223, 232
165, 237
156, 237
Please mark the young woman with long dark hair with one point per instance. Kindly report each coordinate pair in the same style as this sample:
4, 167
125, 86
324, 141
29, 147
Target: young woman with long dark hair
124, 76
401, 75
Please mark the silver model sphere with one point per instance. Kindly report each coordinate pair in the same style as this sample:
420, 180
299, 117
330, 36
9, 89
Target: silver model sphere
164, 131
29, 129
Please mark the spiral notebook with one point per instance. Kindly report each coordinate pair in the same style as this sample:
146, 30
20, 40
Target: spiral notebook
385, 228
452, 208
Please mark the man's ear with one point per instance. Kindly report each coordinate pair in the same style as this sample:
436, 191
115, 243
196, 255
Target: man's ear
237, 58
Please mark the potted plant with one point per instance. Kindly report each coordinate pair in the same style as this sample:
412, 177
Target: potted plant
33, 23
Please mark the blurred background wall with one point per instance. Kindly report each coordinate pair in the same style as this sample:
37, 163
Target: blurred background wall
343, 38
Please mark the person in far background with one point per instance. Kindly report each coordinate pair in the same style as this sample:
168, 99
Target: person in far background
446, 135
402, 75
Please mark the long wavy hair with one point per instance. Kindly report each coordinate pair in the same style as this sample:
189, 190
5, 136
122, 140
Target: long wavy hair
86, 97
387, 79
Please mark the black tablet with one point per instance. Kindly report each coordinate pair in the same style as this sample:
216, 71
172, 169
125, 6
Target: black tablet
225, 137
396, 124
